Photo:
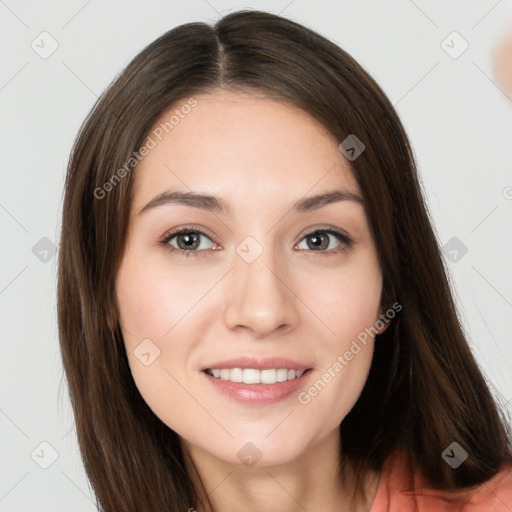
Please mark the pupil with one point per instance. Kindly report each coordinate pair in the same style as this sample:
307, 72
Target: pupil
316, 240
190, 239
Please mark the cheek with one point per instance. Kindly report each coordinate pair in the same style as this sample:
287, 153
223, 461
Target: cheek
161, 314
152, 301
150, 305
347, 302
348, 306
346, 360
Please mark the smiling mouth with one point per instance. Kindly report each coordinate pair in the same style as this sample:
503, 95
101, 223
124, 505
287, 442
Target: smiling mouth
255, 376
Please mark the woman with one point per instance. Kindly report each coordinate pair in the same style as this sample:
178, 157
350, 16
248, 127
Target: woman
253, 308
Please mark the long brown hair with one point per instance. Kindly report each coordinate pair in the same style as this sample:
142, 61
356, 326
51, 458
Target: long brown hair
425, 389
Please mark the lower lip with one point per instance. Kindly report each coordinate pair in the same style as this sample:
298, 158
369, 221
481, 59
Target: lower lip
258, 393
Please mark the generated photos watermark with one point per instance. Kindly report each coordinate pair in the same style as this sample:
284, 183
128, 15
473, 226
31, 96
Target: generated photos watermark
156, 136
304, 397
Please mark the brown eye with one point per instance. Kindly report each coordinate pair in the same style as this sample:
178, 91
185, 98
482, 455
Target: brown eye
321, 239
318, 241
186, 241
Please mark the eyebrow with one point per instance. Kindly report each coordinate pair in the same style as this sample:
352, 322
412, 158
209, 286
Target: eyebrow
216, 204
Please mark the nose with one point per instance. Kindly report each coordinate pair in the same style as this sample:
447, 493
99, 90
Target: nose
261, 298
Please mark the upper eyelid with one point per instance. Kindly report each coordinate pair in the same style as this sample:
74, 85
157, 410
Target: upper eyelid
187, 229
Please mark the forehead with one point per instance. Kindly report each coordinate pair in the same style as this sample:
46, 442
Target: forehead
242, 147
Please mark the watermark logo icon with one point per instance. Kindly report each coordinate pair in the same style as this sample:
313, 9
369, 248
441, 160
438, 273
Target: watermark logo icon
454, 455
44, 45
249, 249
454, 45
249, 454
147, 352
44, 455
455, 249
44, 250
351, 147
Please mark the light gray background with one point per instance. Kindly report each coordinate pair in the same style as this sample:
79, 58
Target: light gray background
458, 119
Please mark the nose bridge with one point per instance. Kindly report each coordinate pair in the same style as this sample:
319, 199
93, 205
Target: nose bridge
260, 298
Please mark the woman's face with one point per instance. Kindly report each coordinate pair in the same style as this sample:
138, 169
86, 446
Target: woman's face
257, 279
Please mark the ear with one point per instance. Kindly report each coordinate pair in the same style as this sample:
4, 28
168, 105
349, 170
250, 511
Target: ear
111, 323
382, 322
111, 317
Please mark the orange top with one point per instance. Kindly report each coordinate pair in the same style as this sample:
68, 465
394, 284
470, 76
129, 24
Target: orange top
397, 483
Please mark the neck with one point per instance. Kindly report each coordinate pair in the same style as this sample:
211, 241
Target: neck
312, 481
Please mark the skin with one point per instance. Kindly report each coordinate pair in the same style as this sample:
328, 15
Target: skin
294, 301
502, 63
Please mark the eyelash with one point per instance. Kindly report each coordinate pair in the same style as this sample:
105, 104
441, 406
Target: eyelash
346, 242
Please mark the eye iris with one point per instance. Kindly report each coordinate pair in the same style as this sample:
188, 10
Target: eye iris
191, 240
317, 241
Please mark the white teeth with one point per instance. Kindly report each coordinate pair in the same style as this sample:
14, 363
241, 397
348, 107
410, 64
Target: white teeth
251, 376
236, 375
282, 375
268, 376
254, 376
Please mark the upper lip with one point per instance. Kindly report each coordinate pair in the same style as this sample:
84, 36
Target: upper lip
258, 364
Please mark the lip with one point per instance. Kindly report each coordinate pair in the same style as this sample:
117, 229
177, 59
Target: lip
258, 394
266, 363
